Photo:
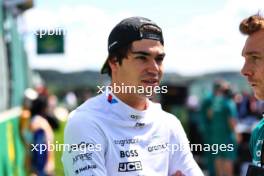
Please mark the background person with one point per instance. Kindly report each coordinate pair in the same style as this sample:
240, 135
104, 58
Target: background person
220, 118
42, 163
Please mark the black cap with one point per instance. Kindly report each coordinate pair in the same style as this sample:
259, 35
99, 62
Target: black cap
127, 31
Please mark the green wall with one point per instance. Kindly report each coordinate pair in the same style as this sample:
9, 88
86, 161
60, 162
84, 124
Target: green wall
11, 148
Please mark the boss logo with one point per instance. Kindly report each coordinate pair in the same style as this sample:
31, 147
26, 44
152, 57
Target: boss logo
128, 153
130, 166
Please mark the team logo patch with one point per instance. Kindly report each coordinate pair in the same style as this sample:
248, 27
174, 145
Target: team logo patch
111, 100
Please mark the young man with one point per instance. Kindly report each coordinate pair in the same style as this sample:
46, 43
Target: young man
219, 117
253, 70
124, 133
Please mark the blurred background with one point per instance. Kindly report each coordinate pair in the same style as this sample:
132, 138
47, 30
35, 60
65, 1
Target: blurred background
51, 53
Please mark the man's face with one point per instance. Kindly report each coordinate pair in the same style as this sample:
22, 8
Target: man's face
143, 65
253, 68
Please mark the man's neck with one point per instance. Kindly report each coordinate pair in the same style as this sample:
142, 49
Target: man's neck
133, 100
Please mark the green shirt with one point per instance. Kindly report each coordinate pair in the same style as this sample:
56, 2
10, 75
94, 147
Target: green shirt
223, 109
256, 142
204, 126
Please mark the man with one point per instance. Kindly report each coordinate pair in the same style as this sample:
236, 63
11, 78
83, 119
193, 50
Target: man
253, 70
222, 124
219, 113
130, 134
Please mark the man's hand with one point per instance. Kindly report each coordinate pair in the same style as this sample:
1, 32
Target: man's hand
178, 173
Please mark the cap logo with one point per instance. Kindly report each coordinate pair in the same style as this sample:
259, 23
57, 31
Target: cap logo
112, 44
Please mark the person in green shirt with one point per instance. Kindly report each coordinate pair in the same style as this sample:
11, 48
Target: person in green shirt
223, 118
219, 119
253, 70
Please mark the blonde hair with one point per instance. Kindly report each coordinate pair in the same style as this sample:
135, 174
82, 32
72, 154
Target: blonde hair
252, 24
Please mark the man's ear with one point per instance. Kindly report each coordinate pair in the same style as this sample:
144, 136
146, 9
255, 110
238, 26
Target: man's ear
113, 63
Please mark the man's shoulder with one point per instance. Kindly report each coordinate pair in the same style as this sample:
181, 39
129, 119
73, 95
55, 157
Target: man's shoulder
93, 103
88, 111
259, 128
84, 121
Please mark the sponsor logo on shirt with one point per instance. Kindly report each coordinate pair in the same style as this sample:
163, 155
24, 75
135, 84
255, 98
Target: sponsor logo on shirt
135, 117
258, 153
82, 157
111, 100
122, 142
128, 154
158, 147
130, 166
139, 125
87, 167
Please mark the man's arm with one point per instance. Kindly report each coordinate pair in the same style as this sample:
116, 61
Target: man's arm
232, 114
85, 154
232, 119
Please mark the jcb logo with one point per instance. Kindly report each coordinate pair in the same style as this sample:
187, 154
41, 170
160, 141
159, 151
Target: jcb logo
130, 166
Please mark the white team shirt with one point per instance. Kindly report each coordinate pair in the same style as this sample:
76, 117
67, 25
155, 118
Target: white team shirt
110, 138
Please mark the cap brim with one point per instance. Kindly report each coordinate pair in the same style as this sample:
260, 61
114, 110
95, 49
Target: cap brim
105, 68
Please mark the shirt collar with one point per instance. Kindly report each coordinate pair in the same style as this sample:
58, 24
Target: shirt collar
126, 112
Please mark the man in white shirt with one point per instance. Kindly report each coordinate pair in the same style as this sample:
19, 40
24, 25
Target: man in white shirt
121, 132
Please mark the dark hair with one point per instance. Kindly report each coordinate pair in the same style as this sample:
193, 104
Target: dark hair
117, 56
39, 105
217, 85
252, 24
228, 91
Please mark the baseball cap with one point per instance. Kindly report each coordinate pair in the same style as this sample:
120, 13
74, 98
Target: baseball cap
129, 30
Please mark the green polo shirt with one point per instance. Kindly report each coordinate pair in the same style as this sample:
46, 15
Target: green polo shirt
256, 142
